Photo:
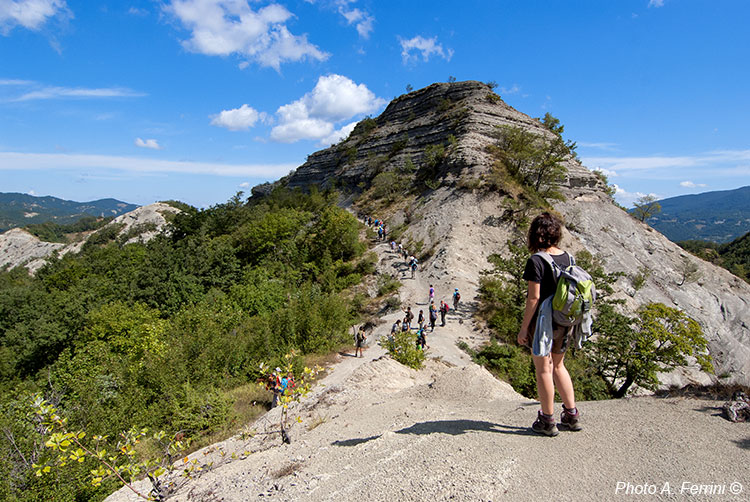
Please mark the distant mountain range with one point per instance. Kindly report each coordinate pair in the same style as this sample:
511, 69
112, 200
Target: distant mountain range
19, 210
720, 216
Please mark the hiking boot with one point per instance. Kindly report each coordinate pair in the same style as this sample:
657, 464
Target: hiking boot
544, 425
569, 421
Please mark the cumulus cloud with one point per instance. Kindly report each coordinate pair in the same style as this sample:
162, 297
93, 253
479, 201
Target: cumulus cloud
224, 27
148, 143
690, 184
597, 145
426, 46
244, 184
338, 134
64, 161
30, 14
334, 99
238, 119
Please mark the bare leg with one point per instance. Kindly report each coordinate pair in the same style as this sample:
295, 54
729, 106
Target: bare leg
545, 384
562, 380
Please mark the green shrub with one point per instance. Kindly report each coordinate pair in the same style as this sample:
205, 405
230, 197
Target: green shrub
403, 348
387, 284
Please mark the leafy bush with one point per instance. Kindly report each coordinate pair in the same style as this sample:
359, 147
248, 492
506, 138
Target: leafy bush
403, 348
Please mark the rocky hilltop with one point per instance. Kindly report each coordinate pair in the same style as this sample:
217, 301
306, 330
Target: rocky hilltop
462, 227
19, 247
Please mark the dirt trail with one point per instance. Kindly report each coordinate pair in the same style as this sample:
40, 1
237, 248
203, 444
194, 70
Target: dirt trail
377, 430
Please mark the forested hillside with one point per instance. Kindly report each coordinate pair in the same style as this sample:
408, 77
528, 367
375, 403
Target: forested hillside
169, 334
733, 256
19, 210
719, 216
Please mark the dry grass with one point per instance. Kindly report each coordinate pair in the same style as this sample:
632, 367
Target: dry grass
287, 470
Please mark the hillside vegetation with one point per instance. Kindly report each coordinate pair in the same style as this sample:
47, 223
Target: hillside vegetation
167, 335
20, 210
720, 216
733, 256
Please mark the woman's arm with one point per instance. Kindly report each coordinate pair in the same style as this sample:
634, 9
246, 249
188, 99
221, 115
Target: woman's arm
532, 300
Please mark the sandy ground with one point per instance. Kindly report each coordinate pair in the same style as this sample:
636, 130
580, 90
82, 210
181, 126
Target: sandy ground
376, 430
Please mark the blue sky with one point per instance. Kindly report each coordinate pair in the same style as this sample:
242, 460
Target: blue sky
198, 99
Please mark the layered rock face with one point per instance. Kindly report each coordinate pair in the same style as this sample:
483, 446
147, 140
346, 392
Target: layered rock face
468, 111
463, 227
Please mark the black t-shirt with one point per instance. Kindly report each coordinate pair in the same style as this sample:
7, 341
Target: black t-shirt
537, 270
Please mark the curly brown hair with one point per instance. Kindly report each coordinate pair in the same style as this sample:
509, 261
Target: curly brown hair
545, 231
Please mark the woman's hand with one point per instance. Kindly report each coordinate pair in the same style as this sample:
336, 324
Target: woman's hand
523, 337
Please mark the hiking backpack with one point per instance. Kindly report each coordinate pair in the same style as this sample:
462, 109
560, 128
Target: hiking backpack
575, 292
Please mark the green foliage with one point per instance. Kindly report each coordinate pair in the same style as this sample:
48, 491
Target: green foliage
502, 292
510, 363
639, 279
733, 256
54, 232
387, 284
646, 207
434, 155
159, 334
689, 271
364, 127
632, 350
403, 348
531, 160
444, 105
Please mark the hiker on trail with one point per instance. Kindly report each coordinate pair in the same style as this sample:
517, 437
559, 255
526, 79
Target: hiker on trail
421, 338
360, 338
544, 235
432, 294
420, 318
443, 311
400, 249
433, 316
287, 383
396, 327
456, 299
273, 384
406, 324
380, 233
409, 314
413, 266
385, 233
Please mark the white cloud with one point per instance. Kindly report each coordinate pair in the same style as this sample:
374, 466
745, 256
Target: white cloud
361, 19
606, 172
335, 98
238, 119
56, 92
30, 14
10, 81
628, 198
43, 161
690, 184
224, 27
148, 143
245, 184
426, 46
598, 146
515, 89
135, 11
656, 3
338, 134
31, 192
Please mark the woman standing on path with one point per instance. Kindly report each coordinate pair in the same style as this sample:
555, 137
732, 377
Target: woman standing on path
433, 316
544, 235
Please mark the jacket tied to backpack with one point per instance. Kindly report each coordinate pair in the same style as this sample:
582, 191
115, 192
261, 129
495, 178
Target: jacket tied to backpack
570, 306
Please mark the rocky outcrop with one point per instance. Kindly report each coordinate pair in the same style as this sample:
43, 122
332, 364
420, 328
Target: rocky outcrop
461, 228
18, 247
468, 113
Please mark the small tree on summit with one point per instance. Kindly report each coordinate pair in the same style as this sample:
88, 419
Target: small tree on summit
646, 207
533, 160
